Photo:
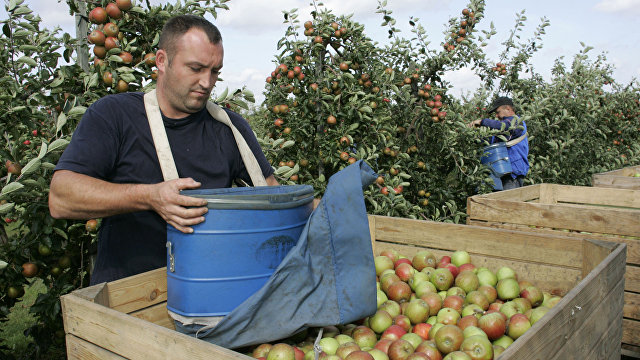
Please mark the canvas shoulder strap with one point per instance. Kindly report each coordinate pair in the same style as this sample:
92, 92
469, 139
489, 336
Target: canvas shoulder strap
161, 142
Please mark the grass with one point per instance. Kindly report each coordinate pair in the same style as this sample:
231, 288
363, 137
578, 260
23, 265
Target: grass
20, 319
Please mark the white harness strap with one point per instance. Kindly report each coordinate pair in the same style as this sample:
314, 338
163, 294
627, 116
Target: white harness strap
161, 142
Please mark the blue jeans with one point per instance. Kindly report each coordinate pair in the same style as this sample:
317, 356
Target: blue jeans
510, 183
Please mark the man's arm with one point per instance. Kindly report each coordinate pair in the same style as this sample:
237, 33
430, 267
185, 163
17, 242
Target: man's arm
77, 196
271, 181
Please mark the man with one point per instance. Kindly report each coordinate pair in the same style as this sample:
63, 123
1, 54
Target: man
110, 169
517, 144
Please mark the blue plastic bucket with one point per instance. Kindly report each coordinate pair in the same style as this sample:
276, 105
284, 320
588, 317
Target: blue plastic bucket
496, 157
246, 234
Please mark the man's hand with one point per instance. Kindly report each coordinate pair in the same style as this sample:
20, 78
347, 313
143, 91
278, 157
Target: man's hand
178, 210
475, 123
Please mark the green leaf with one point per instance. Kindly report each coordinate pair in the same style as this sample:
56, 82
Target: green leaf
3, 264
288, 143
5, 208
62, 120
128, 77
22, 10
12, 5
222, 96
353, 127
61, 233
11, 187
57, 82
93, 81
77, 111
31, 166
58, 144
27, 60
43, 151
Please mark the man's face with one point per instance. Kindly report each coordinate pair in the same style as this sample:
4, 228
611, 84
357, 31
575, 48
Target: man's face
504, 111
185, 83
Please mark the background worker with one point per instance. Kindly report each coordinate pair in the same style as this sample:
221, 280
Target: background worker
519, 149
111, 170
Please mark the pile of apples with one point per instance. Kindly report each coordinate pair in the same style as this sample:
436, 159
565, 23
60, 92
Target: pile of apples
429, 309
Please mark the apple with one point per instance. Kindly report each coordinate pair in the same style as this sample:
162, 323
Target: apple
493, 324
467, 281
417, 278
110, 29
29, 269
429, 347
509, 309
552, 301
454, 290
97, 37
428, 270
113, 11
413, 338
281, 351
524, 284
452, 268
473, 310
449, 338
390, 306
404, 271
418, 356
347, 348
467, 267
399, 291
445, 259
523, 305
393, 332
478, 298
330, 331
124, 5
424, 288
467, 321
400, 350
454, 302
489, 292
434, 301
329, 345
382, 263
391, 254
503, 341
423, 259
401, 260
518, 324
533, 294
402, 321
434, 330
538, 313
508, 288
417, 311
487, 277
359, 355
299, 354
110, 43
442, 279
477, 347
364, 337
343, 338
448, 316
506, 272
381, 297
422, 330
457, 355
460, 257
261, 350
497, 351
380, 321
98, 15
387, 279
383, 345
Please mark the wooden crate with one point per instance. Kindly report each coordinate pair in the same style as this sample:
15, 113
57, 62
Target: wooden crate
621, 179
127, 319
580, 212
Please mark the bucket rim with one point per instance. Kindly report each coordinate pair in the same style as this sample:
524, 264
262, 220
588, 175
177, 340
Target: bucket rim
262, 197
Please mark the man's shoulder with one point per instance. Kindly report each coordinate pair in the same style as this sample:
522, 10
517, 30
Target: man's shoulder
237, 119
114, 101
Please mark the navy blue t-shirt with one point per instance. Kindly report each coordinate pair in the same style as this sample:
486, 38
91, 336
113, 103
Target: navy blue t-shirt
113, 142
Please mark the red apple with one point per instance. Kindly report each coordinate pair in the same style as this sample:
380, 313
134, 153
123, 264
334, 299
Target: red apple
299, 354
518, 324
347, 348
454, 269
424, 258
261, 350
467, 267
383, 345
466, 321
391, 254
454, 302
400, 350
489, 291
402, 321
429, 347
393, 332
533, 294
434, 301
404, 271
399, 291
493, 324
422, 330
359, 355
402, 260
387, 279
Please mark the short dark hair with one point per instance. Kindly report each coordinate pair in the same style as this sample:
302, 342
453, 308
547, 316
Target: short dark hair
177, 26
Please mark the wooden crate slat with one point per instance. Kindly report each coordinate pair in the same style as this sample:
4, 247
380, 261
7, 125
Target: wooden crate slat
557, 329
603, 344
139, 291
131, 337
156, 314
613, 221
632, 278
78, 349
621, 179
514, 245
631, 334
593, 252
633, 245
553, 279
597, 196
631, 305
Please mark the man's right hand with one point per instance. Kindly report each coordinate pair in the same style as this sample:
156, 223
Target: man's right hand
77, 196
178, 210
